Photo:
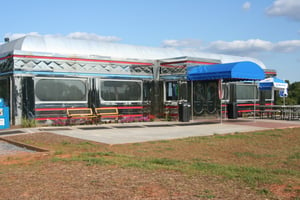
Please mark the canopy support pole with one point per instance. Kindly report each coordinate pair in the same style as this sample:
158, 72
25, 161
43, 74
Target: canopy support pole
254, 102
220, 89
192, 100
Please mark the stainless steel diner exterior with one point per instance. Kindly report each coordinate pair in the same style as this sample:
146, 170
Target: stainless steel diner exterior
42, 76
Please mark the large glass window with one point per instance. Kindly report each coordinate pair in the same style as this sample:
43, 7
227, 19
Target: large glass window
225, 91
147, 90
61, 90
171, 91
4, 89
246, 92
268, 95
113, 90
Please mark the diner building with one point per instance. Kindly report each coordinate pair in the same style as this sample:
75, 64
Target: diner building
42, 76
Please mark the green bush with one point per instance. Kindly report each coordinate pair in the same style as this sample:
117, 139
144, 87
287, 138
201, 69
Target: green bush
26, 123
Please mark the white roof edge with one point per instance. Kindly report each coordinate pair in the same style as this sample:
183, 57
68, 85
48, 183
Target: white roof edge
79, 47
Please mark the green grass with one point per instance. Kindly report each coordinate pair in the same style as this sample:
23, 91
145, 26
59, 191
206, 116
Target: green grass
260, 133
64, 143
90, 160
265, 167
295, 156
250, 175
58, 152
163, 161
87, 144
95, 154
235, 136
252, 155
196, 139
206, 194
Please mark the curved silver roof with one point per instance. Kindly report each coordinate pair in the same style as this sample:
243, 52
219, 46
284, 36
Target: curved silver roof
89, 48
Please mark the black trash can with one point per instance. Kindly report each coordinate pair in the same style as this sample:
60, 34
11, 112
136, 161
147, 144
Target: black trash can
232, 111
184, 112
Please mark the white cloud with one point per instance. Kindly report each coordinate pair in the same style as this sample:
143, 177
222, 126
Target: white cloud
93, 36
240, 47
75, 35
251, 47
287, 46
287, 8
246, 5
186, 43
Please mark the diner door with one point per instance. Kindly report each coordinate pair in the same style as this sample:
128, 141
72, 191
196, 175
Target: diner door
205, 97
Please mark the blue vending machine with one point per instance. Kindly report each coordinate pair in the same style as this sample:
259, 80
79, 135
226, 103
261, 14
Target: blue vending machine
4, 115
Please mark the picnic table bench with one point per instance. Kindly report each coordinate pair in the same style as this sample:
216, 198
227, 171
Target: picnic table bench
107, 113
79, 113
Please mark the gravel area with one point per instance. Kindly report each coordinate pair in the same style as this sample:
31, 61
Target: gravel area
7, 148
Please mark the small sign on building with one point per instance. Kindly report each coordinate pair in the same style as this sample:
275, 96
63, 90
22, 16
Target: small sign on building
2, 122
283, 93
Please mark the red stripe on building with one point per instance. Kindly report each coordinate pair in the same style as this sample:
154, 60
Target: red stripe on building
247, 110
81, 59
250, 104
130, 107
50, 118
189, 61
138, 115
6, 57
54, 109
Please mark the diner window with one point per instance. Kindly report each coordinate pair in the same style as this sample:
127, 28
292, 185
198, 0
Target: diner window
171, 90
61, 90
147, 90
4, 89
246, 92
225, 91
268, 95
113, 90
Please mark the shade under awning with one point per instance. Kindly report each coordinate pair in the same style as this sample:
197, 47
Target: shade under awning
229, 71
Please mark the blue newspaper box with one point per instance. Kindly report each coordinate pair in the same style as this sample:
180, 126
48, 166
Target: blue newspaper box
4, 115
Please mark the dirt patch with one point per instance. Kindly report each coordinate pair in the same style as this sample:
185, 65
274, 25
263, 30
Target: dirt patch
123, 174
78, 181
272, 124
285, 191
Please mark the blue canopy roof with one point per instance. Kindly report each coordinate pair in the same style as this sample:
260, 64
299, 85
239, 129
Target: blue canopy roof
229, 71
276, 83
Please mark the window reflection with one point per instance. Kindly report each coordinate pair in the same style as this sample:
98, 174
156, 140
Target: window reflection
171, 91
4, 89
60, 90
112, 90
246, 92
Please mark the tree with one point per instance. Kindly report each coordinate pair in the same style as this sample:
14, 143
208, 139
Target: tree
293, 95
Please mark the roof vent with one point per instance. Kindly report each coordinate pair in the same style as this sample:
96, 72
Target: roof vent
6, 39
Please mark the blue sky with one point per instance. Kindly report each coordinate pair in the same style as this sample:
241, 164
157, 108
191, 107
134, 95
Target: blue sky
268, 30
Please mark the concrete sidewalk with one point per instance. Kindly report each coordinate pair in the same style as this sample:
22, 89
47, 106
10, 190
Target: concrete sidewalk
153, 131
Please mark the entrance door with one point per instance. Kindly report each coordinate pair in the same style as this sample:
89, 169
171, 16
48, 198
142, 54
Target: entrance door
205, 97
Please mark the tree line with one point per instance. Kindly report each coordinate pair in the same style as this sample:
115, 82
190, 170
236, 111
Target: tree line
293, 97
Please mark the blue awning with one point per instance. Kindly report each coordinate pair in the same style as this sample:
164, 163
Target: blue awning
229, 71
273, 83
